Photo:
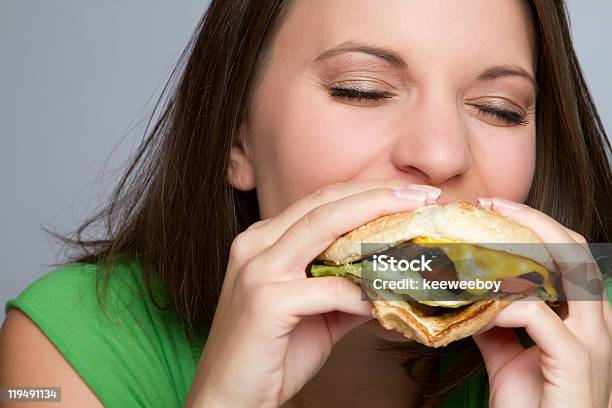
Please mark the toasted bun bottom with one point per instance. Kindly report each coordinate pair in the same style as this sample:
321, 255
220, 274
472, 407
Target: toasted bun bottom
437, 330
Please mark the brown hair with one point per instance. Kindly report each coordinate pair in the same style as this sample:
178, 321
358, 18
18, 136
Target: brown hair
174, 212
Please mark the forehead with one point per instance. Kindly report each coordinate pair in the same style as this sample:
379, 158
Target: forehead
433, 33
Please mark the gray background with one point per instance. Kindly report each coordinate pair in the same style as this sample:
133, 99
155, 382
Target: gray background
77, 79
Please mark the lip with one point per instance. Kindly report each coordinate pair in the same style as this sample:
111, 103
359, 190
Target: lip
442, 200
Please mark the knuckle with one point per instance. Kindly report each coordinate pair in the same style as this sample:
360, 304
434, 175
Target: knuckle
534, 308
379, 194
338, 286
322, 193
256, 225
318, 215
246, 245
239, 245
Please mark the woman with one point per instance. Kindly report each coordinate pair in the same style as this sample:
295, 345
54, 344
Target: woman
236, 190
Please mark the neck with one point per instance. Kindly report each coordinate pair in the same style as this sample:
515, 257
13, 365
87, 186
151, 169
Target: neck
358, 374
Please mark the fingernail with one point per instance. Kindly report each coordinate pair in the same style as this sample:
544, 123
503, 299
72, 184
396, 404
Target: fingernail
503, 204
431, 191
484, 203
410, 194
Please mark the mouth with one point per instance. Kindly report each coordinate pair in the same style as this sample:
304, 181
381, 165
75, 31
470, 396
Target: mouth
447, 200
443, 200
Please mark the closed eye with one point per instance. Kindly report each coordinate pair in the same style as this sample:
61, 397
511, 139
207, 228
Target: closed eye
358, 94
507, 116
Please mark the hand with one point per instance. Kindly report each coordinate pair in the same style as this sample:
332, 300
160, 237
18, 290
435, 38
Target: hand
570, 364
273, 328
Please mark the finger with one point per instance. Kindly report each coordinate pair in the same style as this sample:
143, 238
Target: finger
498, 346
253, 243
274, 227
340, 324
594, 273
544, 327
263, 233
485, 202
314, 232
562, 356
575, 236
313, 296
574, 280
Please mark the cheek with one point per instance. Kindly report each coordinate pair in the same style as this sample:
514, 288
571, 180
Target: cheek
308, 141
507, 163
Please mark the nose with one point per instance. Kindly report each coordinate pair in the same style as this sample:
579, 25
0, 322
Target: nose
432, 141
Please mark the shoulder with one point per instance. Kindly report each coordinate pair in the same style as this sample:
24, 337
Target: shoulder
72, 286
77, 299
28, 358
105, 326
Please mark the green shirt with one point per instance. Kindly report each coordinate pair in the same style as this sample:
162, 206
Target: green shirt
130, 353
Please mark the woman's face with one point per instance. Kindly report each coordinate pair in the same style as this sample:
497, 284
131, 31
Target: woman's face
433, 92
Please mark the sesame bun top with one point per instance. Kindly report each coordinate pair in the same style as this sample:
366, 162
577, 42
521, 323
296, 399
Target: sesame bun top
461, 222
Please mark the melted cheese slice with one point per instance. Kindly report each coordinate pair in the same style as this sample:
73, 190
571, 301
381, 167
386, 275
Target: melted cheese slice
473, 262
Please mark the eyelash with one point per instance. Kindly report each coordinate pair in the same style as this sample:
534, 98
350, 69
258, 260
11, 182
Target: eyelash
507, 116
357, 94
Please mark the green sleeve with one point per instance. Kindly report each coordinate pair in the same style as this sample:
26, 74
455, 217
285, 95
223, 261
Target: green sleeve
473, 394
130, 353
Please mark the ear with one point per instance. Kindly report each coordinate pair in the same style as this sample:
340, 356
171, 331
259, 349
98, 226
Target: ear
240, 172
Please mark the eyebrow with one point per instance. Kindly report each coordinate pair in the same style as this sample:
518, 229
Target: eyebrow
395, 59
501, 71
352, 46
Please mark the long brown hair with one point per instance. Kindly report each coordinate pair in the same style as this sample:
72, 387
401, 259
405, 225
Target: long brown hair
174, 212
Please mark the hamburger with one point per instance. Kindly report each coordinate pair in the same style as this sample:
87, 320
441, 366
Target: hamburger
476, 261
